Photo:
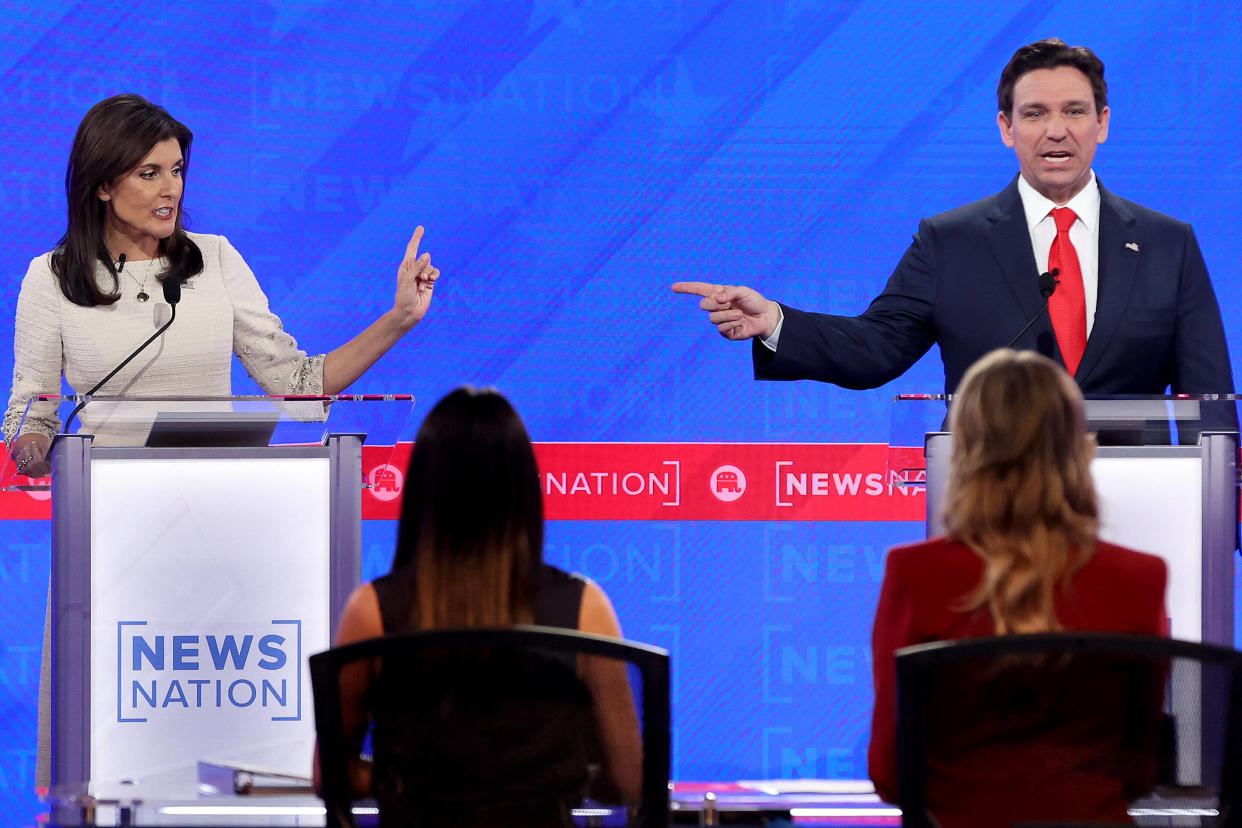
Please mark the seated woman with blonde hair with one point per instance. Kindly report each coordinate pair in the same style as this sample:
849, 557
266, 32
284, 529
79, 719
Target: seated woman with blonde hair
1021, 556
470, 554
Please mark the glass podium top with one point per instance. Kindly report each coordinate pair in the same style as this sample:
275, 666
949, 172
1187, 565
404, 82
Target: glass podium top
1098, 397
1114, 419
212, 422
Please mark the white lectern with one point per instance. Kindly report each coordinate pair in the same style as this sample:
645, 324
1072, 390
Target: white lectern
189, 584
1175, 501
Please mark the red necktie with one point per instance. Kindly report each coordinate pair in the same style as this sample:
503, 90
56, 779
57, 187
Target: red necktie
1068, 305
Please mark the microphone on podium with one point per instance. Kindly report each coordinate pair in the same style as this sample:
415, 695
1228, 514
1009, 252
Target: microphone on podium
172, 295
1048, 282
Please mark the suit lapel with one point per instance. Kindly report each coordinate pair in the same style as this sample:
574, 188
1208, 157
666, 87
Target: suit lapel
1117, 265
1010, 239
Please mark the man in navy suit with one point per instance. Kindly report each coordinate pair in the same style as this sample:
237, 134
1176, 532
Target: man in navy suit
970, 280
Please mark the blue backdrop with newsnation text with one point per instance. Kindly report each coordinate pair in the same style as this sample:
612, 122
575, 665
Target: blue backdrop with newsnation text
570, 159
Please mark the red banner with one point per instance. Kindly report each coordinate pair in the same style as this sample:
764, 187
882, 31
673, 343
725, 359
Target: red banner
699, 481
35, 504
666, 481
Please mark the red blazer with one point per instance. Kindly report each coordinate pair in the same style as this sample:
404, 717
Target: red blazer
1118, 590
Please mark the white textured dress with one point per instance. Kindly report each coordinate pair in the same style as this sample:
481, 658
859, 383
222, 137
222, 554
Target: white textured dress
222, 312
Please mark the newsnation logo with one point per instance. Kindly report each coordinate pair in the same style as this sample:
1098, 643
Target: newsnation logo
161, 670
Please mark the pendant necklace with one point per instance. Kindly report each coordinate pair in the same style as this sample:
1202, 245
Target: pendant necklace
142, 286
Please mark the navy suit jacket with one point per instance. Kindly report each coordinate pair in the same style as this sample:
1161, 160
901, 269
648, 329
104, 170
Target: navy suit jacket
969, 283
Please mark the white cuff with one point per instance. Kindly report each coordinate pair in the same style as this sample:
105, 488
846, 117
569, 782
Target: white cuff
771, 342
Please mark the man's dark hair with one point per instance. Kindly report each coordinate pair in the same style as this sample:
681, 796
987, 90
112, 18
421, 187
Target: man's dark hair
1049, 54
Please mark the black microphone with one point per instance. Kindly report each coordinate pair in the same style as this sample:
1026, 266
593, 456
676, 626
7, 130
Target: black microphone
1048, 282
172, 295
172, 292
120, 263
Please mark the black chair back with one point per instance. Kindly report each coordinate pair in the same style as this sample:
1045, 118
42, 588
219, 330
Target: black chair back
1069, 727
520, 726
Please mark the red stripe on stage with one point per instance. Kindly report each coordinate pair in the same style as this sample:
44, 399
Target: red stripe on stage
698, 481
665, 481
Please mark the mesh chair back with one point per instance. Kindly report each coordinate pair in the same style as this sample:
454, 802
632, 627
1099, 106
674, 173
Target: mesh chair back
1069, 727
522, 726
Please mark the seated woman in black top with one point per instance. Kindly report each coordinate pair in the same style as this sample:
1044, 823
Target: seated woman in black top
470, 554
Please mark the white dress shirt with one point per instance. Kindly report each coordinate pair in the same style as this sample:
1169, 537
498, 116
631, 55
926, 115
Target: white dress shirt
1084, 233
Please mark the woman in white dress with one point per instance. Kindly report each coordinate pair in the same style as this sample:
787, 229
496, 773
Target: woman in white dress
85, 305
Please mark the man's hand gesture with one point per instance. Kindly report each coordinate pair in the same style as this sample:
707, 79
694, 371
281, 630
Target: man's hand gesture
738, 312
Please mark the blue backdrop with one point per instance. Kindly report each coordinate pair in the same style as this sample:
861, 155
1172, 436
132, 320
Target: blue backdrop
570, 159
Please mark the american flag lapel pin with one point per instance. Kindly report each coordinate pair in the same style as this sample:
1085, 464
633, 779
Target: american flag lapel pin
1132, 246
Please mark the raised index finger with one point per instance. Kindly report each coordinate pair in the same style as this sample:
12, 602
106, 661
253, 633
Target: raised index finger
706, 289
411, 249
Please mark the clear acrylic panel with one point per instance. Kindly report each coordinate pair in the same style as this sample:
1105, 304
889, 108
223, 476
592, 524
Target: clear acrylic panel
178, 421
1116, 420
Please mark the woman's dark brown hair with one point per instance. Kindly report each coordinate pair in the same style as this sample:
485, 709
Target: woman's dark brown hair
113, 138
471, 527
